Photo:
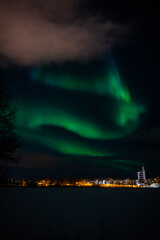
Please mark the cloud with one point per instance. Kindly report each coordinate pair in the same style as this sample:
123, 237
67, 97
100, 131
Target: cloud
148, 135
36, 159
59, 30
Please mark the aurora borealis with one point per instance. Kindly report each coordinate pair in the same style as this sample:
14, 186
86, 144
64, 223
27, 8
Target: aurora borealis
86, 101
118, 114
79, 111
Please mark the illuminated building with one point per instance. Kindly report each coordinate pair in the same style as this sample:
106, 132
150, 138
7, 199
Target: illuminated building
141, 175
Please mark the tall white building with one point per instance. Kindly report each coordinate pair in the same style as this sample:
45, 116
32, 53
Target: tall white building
141, 175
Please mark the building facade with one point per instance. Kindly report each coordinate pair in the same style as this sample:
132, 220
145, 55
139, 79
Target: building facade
141, 175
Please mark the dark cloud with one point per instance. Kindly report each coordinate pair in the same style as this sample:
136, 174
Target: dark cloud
147, 135
40, 160
57, 30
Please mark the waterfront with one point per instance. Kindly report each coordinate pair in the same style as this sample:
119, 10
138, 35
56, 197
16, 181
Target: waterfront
79, 183
74, 213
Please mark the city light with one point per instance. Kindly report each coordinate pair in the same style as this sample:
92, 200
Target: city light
141, 182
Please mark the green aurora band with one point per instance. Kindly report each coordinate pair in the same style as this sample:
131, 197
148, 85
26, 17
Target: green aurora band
121, 113
110, 84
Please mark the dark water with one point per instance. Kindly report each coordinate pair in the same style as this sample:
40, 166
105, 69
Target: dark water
71, 213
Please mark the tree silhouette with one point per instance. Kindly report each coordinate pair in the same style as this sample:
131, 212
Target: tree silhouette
9, 140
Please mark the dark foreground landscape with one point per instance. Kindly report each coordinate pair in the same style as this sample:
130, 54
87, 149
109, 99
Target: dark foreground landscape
79, 214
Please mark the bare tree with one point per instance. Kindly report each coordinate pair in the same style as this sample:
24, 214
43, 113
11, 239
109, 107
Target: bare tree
9, 140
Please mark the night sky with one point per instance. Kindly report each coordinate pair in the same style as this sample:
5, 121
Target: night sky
84, 76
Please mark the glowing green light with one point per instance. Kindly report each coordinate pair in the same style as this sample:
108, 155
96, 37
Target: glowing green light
122, 116
62, 144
